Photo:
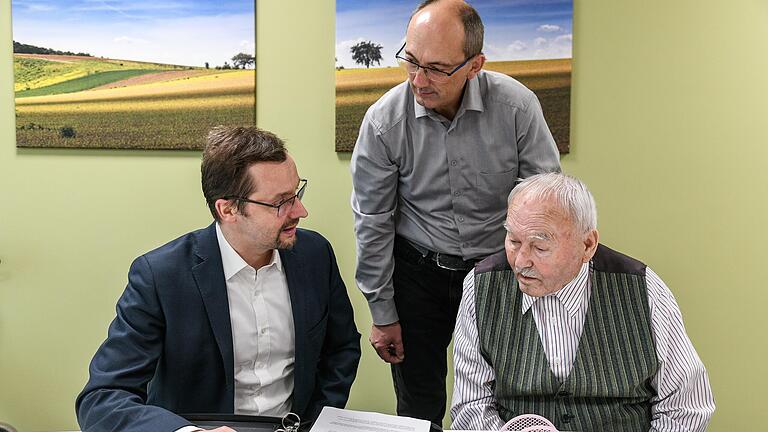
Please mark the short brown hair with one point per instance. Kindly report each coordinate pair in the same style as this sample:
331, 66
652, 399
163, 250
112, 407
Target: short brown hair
473, 26
228, 153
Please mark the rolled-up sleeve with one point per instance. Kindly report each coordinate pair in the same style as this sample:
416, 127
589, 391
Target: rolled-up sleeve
374, 197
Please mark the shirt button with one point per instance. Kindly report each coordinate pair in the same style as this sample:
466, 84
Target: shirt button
264, 331
461, 218
463, 245
453, 163
457, 193
556, 360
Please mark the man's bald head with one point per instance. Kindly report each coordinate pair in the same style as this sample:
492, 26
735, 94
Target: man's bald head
446, 10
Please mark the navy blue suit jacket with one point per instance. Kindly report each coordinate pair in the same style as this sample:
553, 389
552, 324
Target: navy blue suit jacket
169, 349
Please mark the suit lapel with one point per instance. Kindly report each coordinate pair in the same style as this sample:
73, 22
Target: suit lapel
297, 283
209, 276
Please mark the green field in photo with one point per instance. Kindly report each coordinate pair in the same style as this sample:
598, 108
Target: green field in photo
84, 83
32, 71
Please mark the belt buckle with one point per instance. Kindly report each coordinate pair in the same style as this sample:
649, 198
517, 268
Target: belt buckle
445, 265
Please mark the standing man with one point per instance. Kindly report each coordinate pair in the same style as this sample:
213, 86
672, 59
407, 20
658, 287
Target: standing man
246, 316
434, 160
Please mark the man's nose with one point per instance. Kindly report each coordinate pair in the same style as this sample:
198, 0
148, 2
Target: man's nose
523, 258
298, 210
420, 78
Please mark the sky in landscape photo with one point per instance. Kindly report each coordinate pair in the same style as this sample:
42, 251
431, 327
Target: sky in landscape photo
179, 32
514, 29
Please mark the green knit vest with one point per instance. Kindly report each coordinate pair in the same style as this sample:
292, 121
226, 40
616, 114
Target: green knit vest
609, 387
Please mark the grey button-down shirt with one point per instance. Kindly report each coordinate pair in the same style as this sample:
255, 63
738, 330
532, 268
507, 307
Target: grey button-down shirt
441, 184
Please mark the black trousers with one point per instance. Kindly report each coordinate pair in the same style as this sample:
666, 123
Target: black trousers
427, 299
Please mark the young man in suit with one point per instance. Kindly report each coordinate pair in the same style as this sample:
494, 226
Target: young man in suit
246, 316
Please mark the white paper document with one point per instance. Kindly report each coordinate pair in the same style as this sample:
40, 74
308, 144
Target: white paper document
343, 420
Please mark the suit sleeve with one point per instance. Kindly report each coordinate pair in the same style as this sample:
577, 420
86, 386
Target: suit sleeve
340, 355
115, 397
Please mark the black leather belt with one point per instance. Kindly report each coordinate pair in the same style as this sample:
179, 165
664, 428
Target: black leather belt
442, 260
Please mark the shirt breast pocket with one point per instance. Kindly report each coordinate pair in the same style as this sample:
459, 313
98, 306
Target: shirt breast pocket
492, 190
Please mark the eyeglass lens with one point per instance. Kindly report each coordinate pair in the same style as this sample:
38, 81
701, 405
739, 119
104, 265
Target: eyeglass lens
430, 74
286, 206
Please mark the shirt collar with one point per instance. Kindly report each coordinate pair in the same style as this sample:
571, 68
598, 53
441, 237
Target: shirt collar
571, 295
233, 263
472, 101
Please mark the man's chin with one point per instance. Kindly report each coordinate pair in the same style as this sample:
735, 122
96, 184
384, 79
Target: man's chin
532, 289
427, 101
286, 242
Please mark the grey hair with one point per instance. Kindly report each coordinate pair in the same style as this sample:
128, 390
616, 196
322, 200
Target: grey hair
473, 26
570, 194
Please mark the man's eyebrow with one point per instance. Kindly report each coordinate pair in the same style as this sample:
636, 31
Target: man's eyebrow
437, 63
279, 196
287, 194
541, 236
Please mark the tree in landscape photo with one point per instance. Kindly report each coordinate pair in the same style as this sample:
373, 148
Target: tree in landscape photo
243, 60
366, 53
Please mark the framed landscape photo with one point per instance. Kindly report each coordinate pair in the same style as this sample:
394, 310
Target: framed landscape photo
136, 74
529, 40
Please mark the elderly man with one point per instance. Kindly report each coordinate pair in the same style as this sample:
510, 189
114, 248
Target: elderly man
433, 161
246, 316
569, 329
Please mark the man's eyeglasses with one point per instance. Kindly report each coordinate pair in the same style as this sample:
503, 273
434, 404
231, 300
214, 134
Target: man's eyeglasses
283, 207
432, 74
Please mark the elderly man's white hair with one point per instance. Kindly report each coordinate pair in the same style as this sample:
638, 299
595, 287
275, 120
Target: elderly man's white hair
571, 195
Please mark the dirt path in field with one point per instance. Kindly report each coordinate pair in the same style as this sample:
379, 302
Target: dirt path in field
152, 78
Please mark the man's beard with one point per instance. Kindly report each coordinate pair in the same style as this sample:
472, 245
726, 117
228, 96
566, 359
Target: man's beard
287, 243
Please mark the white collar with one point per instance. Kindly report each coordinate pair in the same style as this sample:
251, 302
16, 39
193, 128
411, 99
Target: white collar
233, 263
571, 295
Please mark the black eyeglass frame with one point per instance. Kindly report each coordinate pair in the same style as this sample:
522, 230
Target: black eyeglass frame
429, 68
290, 200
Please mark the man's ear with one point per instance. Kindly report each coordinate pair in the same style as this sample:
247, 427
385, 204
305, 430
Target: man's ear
226, 209
475, 65
591, 240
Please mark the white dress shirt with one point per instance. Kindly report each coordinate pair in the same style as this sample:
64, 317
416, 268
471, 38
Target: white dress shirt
263, 336
683, 401
262, 333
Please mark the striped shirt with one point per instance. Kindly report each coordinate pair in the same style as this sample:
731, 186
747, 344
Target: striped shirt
683, 402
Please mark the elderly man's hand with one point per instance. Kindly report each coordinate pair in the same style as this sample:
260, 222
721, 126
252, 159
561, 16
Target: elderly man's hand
388, 342
222, 429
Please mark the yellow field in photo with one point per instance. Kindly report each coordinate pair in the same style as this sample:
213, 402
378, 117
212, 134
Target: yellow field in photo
357, 89
174, 114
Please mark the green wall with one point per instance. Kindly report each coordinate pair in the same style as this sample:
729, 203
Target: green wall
670, 101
